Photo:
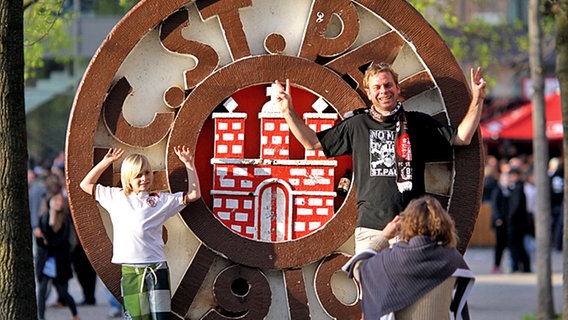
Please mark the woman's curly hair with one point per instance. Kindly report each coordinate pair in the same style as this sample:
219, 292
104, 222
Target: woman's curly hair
425, 216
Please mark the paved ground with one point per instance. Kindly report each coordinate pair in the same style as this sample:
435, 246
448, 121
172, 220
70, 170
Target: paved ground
507, 296
100, 311
494, 296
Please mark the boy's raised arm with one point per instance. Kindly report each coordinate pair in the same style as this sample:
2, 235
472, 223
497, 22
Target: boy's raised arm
88, 183
193, 190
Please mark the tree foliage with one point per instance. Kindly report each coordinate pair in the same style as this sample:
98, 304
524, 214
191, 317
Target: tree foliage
111, 7
46, 32
494, 46
127, 4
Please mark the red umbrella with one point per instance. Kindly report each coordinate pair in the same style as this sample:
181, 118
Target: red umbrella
517, 124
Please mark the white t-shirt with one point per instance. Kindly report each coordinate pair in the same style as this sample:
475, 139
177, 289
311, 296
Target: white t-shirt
137, 222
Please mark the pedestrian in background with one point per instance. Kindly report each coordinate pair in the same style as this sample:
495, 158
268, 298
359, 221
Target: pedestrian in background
517, 222
556, 172
499, 213
53, 259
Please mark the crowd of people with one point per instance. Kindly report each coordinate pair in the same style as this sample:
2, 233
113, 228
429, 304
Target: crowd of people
58, 253
510, 190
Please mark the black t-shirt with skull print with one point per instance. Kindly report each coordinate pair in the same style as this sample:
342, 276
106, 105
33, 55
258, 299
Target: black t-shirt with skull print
372, 146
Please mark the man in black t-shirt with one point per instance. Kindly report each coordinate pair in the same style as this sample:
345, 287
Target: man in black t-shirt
389, 146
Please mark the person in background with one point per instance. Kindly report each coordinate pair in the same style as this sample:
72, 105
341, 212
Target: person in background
499, 213
53, 259
86, 274
415, 278
556, 173
490, 178
517, 222
137, 215
36, 193
530, 193
115, 310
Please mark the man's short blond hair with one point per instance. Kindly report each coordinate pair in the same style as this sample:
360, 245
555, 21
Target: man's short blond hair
375, 68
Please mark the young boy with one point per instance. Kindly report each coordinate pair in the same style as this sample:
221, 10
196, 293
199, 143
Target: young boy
137, 217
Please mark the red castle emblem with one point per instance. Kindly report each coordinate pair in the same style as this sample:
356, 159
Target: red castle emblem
272, 198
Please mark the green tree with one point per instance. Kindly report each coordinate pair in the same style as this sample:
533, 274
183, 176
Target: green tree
112, 7
559, 10
496, 46
469, 41
46, 33
127, 4
17, 285
545, 305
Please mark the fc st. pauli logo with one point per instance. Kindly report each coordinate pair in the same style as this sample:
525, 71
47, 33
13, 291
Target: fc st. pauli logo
255, 247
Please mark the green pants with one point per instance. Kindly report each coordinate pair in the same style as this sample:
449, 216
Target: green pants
146, 291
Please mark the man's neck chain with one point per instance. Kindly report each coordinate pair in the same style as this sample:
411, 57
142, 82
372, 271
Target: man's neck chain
381, 117
376, 115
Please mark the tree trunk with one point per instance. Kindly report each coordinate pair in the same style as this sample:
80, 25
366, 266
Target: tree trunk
561, 16
17, 285
545, 304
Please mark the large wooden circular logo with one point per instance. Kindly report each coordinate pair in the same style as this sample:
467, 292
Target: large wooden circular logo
269, 235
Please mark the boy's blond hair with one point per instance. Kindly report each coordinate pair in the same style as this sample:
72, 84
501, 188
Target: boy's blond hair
132, 166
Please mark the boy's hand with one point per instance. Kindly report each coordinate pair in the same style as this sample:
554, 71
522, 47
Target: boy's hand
113, 155
184, 155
